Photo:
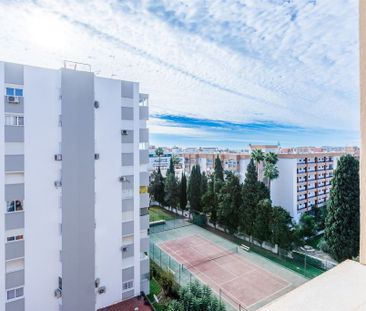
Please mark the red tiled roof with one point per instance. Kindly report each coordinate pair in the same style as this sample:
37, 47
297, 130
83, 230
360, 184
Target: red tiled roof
129, 305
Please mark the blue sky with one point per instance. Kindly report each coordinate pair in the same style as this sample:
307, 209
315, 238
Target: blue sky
219, 72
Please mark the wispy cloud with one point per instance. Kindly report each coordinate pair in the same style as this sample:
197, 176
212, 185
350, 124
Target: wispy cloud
292, 64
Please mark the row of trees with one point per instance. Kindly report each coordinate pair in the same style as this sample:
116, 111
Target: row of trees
236, 207
246, 208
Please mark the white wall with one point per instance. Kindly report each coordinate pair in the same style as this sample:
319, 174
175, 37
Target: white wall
108, 200
283, 189
2, 189
136, 173
202, 162
41, 204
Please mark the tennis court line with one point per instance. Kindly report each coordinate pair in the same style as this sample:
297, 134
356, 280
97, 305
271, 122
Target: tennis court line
197, 275
180, 260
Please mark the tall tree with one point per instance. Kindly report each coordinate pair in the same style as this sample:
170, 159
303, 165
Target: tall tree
258, 156
219, 171
209, 201
159, 153
203, 183
171, 167
307, 226
270, 172
271, 157
263, 221
157, 188
252, 192
342, 225
171, 191
230, 201
194, 189
282, 227
183, 193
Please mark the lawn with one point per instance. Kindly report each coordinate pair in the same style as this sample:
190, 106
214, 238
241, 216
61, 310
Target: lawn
156, 213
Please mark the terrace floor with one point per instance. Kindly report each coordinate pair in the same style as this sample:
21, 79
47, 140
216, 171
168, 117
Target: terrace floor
341, 289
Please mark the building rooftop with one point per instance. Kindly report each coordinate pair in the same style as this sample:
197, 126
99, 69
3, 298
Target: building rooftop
341, 289
132, 304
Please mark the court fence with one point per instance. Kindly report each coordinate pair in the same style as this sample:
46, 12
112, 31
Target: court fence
184, 277
166, 225
296, 260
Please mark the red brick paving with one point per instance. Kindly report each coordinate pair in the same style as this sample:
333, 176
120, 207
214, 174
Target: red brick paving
129, 305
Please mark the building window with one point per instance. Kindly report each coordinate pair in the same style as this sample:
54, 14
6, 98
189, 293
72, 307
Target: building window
15, 238
14, 120
10, 91
14, 206
127, 285
15, 293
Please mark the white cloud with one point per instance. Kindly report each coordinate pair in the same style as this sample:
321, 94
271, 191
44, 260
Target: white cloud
291, 62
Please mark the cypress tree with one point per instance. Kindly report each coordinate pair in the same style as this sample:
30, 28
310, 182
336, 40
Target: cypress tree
219, 171
342, 225
203, 183
263, 221
171, 191
183, 193
229, 204
171, 167
194, 189
157, 188
252, 192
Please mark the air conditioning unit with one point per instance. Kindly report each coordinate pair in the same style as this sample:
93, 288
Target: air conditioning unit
96, 104
13, 99
123, 179
58, 293
96, 156
58, 157
101, 290
124, 132
97, 282
58, 183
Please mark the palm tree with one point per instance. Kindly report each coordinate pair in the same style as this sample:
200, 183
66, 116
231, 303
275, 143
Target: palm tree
258, 156
159, 152
175, 159
271, 157
271, 172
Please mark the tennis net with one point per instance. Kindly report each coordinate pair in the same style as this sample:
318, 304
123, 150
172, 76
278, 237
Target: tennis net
213, 257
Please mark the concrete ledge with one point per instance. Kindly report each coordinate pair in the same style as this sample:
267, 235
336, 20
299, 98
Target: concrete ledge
341, 289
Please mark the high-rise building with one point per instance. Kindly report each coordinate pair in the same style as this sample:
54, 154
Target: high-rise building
304, 181
73, 190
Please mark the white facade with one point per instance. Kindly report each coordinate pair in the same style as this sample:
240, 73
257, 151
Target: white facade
35, 222
304, 182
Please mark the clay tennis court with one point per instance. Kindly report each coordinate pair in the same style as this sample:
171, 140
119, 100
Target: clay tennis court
235, 278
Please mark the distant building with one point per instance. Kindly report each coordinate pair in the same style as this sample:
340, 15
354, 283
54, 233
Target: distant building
304, 181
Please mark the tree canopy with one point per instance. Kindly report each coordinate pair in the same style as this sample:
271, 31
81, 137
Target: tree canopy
342, 225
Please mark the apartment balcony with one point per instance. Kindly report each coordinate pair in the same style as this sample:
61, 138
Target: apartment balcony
339, 289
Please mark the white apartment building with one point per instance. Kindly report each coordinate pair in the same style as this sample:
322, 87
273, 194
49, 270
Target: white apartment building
304, 181
304, 178
73, 190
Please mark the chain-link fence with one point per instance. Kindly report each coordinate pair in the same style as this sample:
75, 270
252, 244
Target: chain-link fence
183, 276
